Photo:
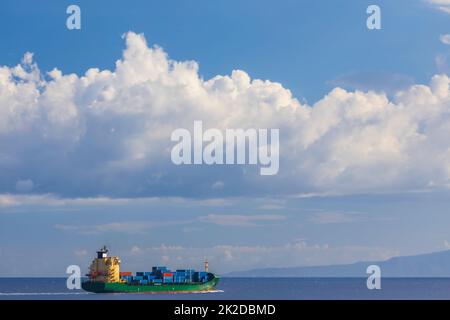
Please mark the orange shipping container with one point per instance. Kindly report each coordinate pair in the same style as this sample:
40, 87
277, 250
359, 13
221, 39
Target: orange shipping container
125, 273
168, 274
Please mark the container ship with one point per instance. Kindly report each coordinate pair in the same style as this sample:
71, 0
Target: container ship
105, 277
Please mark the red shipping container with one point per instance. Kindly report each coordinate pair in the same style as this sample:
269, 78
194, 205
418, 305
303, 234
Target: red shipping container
125, 273
168, 274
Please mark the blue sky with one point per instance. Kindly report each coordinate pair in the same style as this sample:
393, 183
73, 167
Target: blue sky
303, 44
363, 175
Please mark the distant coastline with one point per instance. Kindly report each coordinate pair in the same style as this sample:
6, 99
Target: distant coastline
429, 265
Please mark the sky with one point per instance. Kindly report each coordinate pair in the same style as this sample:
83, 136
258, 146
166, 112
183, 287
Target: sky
86, 118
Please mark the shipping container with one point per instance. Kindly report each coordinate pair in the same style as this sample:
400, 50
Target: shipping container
127, 278
125, 273
159, 269
200, 276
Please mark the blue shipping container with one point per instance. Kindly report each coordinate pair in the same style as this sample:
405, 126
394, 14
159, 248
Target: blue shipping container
159, 268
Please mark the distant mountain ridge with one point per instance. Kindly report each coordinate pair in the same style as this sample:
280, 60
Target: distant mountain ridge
435, 264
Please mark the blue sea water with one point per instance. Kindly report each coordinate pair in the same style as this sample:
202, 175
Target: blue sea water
246, 288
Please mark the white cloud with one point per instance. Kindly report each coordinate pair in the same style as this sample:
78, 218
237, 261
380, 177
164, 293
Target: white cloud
135, 250
445, 38
96, 229
218, 185
390, 83
442, 5
81, 253
239, 220
24, 185
45, 200
107, 133
446, 244
190, 225
139, 227
333, 217
271, 206
11, 200
441, 63
225, 257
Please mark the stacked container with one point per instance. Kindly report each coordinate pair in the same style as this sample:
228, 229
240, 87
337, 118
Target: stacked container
127, 278
179, 276
158, 271
201, 276
167, 277
189, 274
164, 275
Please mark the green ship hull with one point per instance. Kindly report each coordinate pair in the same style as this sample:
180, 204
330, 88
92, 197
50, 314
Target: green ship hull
119, 287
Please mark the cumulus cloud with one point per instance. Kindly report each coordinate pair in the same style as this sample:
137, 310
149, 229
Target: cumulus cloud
389, 83
107, 133
445, 38
442, 5
442, 63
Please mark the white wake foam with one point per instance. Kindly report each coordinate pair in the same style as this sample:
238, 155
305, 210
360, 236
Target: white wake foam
40, 293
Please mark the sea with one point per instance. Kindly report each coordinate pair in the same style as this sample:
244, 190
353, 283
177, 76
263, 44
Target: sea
246, 289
